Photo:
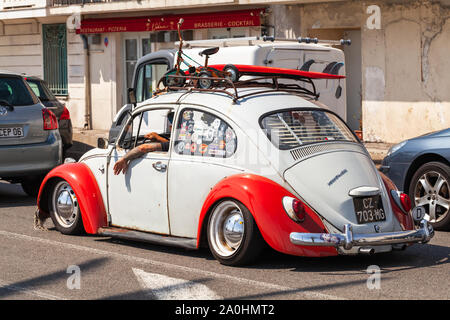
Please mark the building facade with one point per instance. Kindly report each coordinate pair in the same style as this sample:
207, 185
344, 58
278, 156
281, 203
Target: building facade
397, 71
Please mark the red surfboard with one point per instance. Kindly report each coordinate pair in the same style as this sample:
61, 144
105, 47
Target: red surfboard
250, 70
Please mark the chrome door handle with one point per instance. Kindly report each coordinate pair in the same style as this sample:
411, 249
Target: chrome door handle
159, 166
102, 169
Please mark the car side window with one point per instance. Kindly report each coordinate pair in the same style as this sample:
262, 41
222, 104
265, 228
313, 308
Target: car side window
157, 120
35, 88
203, 134
147, 78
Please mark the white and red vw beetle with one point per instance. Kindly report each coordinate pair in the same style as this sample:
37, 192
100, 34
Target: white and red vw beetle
270, 167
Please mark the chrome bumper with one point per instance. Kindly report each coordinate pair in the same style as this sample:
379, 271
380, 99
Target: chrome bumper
348, 239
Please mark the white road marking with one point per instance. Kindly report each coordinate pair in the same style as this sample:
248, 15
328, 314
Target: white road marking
266, 285
162, 287
28, 291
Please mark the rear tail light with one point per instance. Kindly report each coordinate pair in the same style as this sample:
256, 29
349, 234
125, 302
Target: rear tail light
65, 115
402, 200
294, 208
50, 121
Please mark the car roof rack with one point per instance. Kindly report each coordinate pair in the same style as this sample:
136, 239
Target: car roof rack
223, 85
263, 39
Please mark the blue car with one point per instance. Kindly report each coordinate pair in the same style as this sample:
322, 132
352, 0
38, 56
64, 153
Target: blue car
421, 168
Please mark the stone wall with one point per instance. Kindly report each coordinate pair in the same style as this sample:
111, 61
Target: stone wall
405, 65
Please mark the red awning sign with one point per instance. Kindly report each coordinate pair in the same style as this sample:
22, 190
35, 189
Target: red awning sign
230, 19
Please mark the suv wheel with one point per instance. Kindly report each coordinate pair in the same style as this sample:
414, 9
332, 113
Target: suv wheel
429, 188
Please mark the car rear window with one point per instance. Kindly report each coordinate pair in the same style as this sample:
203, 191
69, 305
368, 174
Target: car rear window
289, 129
41, 90
14, 91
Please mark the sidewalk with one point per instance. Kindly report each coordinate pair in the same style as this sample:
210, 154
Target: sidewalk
84, 140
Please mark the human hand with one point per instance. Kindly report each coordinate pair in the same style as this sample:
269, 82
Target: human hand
120, 166
153, 136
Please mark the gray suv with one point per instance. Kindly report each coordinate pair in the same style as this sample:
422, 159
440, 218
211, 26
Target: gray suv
30, 144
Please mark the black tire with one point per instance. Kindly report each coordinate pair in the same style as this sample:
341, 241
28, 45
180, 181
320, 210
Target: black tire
234, 72
250, 244
434, 177
31, 185
205, 83
172, 81
64, 208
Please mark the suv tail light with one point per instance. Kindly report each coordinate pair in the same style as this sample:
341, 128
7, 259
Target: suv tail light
50, 121
65, 115
294, 208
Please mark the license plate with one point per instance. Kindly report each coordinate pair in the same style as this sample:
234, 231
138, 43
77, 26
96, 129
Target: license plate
14, 132
369, 209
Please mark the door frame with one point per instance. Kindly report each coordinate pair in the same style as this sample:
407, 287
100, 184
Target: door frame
139, 36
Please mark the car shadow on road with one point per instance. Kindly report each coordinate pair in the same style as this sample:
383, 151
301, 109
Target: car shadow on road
202, 253
12, 195
415, 257
28, 286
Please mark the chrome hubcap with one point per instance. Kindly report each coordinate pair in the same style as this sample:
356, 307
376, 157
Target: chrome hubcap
65, 204
432, 192
226, 228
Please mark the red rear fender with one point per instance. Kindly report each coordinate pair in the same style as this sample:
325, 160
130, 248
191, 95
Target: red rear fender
263, 197
83, 183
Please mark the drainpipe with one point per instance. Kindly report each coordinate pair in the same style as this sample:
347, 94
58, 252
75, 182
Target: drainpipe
87, 88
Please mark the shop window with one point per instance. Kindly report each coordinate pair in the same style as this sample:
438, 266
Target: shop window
202, 134
171, 36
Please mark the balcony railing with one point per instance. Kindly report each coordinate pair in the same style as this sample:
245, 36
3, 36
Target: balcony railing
60, 3
22, 4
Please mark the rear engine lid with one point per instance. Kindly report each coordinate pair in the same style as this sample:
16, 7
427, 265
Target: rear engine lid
330, 182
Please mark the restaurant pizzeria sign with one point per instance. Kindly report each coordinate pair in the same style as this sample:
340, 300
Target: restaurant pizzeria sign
230, 19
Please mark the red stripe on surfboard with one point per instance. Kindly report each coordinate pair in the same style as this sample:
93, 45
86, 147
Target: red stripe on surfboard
284, 71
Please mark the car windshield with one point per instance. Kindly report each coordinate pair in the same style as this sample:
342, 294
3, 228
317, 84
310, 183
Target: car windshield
288, 129
41, 90
14, 92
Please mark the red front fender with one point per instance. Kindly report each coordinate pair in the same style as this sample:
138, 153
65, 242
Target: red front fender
263, 197
83, 183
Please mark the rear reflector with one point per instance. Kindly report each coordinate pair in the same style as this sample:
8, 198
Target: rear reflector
65, 115
50, 121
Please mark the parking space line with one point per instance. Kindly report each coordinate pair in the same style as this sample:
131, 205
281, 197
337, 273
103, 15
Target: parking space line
266, 285
162, 287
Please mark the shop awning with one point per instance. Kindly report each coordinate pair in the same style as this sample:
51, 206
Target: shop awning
229, 19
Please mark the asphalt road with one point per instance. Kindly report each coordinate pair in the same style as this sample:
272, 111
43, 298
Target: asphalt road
38, 264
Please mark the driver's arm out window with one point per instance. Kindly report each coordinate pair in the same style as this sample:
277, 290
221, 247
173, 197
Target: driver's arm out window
144, 123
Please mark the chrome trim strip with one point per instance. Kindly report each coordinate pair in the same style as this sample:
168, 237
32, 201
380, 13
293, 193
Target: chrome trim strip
348, 239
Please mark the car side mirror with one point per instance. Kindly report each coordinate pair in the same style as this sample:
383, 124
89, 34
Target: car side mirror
131, 96
102, 143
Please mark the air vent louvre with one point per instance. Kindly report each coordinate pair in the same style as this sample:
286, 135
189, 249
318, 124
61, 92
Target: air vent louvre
307, 151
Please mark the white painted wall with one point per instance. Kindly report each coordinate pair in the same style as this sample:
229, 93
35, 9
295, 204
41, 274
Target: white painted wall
21, 49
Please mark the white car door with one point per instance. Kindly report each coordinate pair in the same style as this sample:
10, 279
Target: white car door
138, 198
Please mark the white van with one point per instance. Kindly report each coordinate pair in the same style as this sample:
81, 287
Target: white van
281, 54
